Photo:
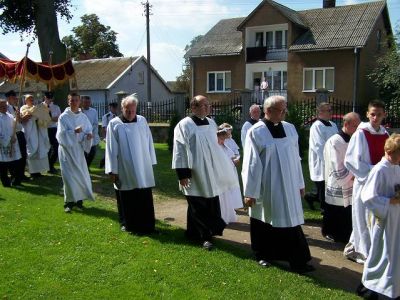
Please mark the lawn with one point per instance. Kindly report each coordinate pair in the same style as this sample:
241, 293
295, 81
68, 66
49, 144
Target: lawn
47, 254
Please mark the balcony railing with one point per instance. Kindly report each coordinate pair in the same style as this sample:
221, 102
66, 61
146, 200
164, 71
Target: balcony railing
255, 54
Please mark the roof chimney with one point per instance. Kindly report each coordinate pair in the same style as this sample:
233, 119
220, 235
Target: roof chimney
329, 3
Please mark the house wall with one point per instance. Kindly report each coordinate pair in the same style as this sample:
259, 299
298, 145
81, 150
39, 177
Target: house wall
235, 64
368, 61
130, 83
266, 15
341, 60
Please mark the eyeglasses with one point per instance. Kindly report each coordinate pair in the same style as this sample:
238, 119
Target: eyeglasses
281, 111
326, 110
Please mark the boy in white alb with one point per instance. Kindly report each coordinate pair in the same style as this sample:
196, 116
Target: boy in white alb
381, 194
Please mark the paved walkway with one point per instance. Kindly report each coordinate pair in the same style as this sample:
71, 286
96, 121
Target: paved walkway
328, 260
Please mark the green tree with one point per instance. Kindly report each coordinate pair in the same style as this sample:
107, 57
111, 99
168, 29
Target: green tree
92, 39
38, 18
183, 81
386, 75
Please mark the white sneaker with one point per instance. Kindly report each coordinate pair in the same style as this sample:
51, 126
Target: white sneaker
67, 210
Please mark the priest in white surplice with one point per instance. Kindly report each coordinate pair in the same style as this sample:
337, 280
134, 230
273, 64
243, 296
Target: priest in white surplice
204, 172
74, 135
336, 222
9, 148
130, 157
37, 138
321, 130
381, 194
273, 185
366, 148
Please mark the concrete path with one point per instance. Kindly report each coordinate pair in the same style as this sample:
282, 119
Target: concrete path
331, 266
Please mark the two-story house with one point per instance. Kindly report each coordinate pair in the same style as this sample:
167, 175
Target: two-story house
297, 52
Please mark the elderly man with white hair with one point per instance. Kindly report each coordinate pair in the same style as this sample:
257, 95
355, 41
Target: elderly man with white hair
130, 157
255, 113
273, 185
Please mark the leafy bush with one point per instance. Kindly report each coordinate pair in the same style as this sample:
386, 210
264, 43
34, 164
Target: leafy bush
175, 118
294, 116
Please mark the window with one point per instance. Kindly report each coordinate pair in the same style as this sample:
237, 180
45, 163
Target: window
140, 77
219, 81
318, 78
270, 39
378, 40
278, 39
277, 80
259, 39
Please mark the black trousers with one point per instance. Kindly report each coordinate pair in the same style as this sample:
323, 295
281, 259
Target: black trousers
53, 152
204, 218
321, 193
5, 167
273, 243
18, 172
136, 210
90, 156
337, 223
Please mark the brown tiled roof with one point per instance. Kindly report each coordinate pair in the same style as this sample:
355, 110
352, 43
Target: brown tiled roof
98, 74
338, 27
222, 39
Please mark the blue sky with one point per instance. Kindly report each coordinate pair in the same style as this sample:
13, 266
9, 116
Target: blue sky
173, 25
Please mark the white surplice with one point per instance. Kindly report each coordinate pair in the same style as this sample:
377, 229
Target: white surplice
246, 126
272, 174
37, 145
91, 113
338, 180
231, 144
319, 134
382, 267
196, 148
358, 162
231, 199
74, 171
8, 151
130, 153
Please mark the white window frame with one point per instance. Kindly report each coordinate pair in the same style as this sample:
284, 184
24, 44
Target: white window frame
313, 78
271, 84
215, 82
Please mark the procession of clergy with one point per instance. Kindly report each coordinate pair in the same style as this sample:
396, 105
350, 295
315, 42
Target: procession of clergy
355, 169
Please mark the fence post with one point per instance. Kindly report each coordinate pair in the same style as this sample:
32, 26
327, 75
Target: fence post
180, 104
246, 103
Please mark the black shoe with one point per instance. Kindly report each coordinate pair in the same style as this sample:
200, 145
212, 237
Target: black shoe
303, 269
329, 237
310, 200
207, 245
53, 171
264, 263
15, 183
79, 204
25, 178
36, 175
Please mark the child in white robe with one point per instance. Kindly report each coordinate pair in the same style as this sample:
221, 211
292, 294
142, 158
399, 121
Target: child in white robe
231, 199
229, 141
381, 194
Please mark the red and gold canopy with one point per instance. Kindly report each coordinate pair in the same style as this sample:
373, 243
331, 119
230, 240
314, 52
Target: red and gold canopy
50, 74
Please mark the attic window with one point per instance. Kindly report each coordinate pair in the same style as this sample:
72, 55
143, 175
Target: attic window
378, 40
140, 77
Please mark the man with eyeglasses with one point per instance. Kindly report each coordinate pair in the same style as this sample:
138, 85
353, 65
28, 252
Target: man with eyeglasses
273, 185
204, 172
321, 130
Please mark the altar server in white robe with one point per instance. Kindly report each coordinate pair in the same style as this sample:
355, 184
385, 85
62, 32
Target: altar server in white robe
9, 148
231, 199
321, 130
37, 138
366, 148
255, 113
336, 224
381, 194
74, 135
130, 157
273, 185
203, 172
229, 141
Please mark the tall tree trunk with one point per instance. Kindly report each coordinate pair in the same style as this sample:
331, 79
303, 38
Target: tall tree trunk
49, 40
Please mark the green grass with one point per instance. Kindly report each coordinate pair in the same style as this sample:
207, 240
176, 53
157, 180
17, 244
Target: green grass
47, 254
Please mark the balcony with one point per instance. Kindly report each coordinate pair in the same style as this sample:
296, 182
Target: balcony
255, 54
